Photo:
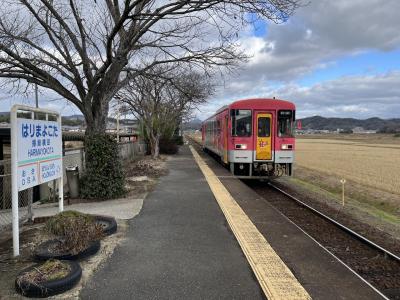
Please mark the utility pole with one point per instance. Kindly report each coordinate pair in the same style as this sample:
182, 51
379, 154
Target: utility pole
31, 191
118, 115
36, 96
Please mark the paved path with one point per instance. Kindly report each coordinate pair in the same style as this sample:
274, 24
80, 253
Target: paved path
178, 247
124, 208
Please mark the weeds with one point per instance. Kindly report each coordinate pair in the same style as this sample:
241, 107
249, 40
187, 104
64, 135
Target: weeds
50, 270
75, 230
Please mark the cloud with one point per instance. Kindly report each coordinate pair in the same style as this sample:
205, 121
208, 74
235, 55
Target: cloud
348, 96
47, 99
320, 33
315, 38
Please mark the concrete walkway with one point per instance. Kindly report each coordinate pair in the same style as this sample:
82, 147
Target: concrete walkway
124, 208
178, 247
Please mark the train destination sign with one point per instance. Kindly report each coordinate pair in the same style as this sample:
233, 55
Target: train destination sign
39, 152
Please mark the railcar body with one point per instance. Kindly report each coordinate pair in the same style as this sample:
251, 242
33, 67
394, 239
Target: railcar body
254, 137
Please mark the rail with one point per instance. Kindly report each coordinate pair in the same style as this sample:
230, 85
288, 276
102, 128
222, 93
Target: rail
336, 223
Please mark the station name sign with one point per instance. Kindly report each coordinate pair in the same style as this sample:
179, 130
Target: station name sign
39, 152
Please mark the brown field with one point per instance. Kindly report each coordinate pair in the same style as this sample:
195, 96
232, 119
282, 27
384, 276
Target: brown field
371, 160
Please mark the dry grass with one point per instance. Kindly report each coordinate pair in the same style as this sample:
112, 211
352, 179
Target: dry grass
76, 230
50, 270
363, 161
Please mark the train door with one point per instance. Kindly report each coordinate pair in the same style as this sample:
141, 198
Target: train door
225, 139
263, 136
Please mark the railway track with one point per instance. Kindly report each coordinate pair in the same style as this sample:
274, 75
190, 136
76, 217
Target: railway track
374, 264
379, 267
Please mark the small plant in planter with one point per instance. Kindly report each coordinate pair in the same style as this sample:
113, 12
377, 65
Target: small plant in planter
49, 278
78, 235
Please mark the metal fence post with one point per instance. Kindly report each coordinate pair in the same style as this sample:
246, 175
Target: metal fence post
14, 182
30, 204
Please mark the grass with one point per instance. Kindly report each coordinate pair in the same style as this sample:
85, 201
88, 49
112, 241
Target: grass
58, 225
75, 230
50, 270
381, 210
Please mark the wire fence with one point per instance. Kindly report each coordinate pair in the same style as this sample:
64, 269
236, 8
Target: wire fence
25, 197
72, 157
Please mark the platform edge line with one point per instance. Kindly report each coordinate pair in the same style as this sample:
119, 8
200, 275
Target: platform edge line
270, 285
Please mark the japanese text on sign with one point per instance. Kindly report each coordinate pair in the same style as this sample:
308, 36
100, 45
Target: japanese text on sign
39, 152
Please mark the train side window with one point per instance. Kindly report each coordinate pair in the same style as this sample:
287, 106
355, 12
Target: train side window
241, 122
285, 123
264, 127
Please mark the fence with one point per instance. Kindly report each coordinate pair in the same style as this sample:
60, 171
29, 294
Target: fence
24, 197
72, 157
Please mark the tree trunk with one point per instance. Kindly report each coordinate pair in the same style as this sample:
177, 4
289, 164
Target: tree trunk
155, 145
96, 123
96, 120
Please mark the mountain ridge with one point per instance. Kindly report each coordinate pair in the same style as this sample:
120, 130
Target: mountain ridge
373, 123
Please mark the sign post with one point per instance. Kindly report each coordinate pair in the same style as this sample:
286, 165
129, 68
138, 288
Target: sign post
36, 155
343, 181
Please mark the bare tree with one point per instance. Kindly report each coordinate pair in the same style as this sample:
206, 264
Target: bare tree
161, 99
86, 51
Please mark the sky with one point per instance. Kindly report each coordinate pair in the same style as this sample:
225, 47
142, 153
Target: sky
331, 58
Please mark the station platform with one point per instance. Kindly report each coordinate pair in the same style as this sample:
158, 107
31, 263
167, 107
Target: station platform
203, 234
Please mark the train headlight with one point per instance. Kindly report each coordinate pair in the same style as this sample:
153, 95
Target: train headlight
286, 146
241, 146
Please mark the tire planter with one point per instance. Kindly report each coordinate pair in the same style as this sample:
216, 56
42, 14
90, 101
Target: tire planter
43, 252
52, 287
109, 224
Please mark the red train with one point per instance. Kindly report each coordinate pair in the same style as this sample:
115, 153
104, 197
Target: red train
254, 137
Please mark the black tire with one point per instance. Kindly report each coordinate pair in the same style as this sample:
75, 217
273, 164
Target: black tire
42, 251
109, 224
53, 287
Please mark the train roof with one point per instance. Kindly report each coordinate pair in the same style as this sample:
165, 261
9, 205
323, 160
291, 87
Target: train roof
257, 103
262, 103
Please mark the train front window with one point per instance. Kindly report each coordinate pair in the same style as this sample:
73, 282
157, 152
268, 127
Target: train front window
285, 123
241, 122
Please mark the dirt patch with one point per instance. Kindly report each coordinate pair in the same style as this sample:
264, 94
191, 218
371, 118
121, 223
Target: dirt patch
10, 267
143, 167
152, 168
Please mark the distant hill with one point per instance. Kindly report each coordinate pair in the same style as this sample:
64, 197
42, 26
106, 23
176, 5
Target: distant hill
75, 117
192, 124
73, 120
321, 123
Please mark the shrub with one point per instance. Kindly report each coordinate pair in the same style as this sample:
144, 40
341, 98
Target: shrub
168, 146
104, 178
178, 139
75, 229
